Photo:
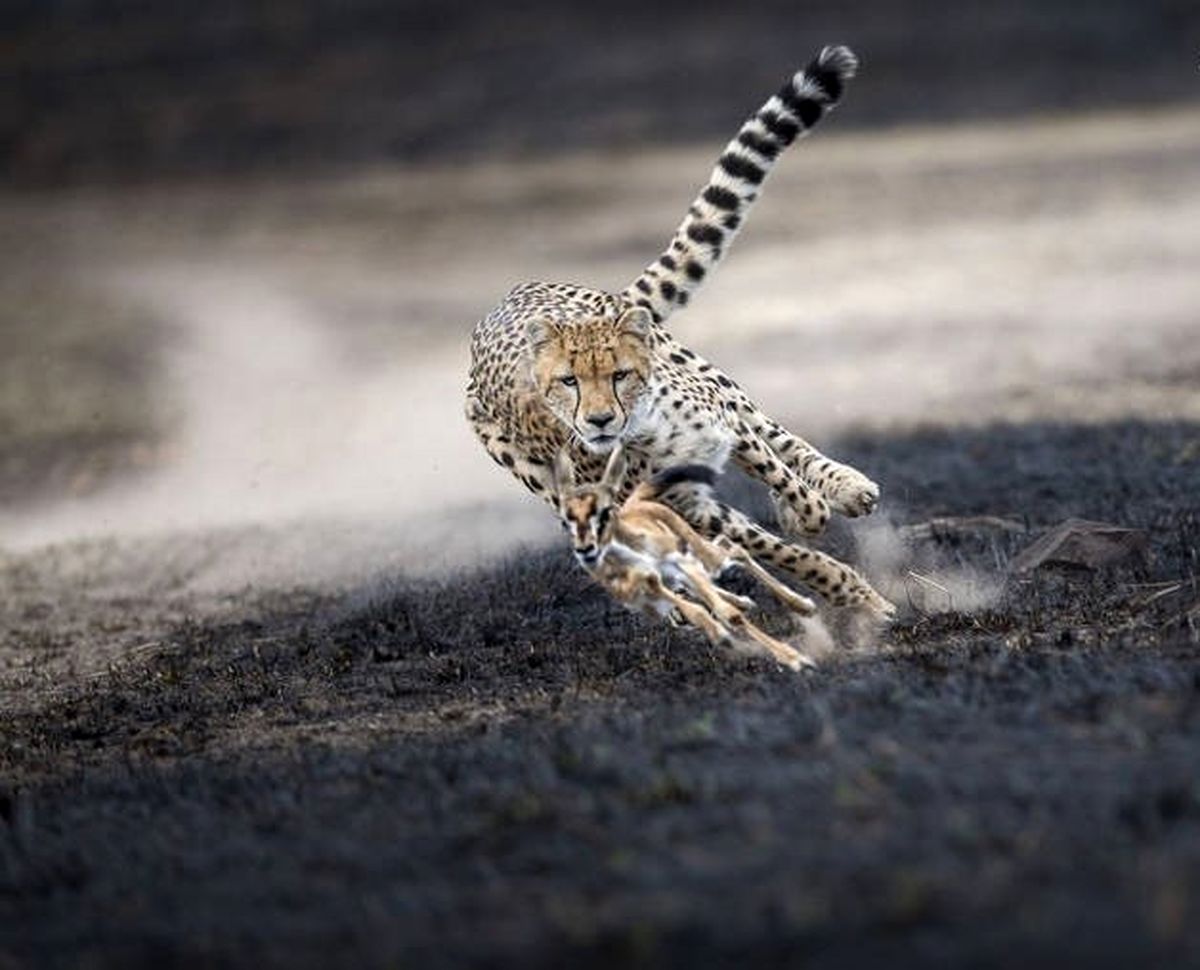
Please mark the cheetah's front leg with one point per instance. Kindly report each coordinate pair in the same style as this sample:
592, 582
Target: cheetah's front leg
801, 510
848, 491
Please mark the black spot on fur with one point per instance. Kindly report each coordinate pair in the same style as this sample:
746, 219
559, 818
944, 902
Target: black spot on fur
741, 168
802, 106
766, 147
809, 112
642, 285
702, 232
667, 260
721, 198
782, 128
694, 270
829, 80
677, 474
668, 289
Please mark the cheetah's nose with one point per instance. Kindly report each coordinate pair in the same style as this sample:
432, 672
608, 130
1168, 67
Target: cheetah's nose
600, 421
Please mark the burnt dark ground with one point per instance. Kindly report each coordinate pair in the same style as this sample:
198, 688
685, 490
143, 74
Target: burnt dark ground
505, 768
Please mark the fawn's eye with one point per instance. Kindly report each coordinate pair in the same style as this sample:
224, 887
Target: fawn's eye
568, 381
620, 375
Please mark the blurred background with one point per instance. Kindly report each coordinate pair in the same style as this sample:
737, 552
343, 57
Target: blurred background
244, 243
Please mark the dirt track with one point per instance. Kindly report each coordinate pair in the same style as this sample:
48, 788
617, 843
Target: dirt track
269, 720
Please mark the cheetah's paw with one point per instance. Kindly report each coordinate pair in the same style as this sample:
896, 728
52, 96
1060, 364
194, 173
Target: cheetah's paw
851, 493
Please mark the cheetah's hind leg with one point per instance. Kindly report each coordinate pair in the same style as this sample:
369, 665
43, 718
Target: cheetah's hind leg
835, 581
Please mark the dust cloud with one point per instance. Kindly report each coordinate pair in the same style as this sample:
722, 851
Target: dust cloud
935, 584
342, 467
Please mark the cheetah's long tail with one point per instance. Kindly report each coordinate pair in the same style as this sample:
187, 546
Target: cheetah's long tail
719, 210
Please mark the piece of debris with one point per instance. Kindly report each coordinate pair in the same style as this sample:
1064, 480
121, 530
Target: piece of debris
948, 527
918, 587
1080, 544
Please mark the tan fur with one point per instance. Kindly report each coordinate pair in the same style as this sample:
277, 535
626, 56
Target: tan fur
628, 548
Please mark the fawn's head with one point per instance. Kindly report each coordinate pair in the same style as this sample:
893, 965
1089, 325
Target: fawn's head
589, 510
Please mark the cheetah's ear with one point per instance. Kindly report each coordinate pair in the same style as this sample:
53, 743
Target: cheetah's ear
564, 470
614, 471
636, 321
539, 333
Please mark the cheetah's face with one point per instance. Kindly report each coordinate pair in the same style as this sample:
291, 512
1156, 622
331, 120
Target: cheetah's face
593, 374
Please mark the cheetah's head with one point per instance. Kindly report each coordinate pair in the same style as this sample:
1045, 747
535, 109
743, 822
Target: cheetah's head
593, 374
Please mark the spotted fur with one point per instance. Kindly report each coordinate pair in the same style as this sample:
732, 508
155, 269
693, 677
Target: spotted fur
559, 365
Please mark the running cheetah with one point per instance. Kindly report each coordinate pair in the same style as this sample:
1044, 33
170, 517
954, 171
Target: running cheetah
559, 365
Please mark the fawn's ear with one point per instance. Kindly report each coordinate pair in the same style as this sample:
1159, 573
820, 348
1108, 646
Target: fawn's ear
564, 471
614, 471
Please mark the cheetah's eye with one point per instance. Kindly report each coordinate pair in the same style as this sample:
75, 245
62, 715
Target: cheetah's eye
568, 381
603, 516
620, 375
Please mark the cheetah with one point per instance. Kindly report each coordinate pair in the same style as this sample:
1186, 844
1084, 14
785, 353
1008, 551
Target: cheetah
559, 365
650, 559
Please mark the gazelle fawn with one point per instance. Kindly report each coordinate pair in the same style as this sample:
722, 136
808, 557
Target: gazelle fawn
649, 558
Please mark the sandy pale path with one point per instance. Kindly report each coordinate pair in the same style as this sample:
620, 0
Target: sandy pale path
315, 332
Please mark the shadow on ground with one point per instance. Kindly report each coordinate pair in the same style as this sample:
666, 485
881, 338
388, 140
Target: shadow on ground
504, 767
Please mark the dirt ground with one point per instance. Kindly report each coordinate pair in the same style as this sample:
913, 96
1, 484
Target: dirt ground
290, 675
